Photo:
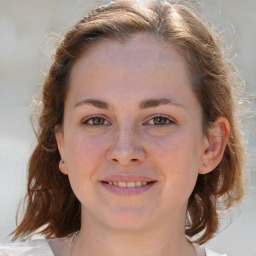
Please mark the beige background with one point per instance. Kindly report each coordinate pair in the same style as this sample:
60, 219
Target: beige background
24, 46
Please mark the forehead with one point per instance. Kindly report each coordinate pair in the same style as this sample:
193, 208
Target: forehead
137, 47
141, 50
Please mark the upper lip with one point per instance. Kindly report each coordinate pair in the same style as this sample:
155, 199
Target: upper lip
127, 178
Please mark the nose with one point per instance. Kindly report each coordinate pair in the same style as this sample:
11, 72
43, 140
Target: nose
126, 149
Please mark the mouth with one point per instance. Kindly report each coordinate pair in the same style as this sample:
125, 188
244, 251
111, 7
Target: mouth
130, 184
123, 185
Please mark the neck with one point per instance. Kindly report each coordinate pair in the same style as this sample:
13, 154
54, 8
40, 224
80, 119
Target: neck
164, 240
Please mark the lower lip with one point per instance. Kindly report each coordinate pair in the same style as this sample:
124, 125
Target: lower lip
128, 191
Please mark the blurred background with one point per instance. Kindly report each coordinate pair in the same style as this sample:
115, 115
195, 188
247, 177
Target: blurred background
29, 30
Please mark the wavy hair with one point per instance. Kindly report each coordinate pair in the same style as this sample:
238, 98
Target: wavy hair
51, 206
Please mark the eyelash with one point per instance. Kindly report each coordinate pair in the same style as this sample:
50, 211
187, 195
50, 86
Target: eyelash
167, 121
164, 118
93, 118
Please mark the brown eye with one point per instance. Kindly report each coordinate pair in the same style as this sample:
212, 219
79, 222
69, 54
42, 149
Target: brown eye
97, 120
160, 120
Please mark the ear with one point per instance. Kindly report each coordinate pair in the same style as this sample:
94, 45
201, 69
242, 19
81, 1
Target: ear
215, 143
59, 135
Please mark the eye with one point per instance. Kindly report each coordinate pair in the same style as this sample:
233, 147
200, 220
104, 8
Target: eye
96, 120
160, 120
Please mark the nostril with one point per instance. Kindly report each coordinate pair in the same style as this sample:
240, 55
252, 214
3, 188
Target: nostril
133, 160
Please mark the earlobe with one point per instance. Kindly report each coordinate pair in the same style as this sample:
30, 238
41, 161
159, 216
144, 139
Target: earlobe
60, 143
216, 141
63, 167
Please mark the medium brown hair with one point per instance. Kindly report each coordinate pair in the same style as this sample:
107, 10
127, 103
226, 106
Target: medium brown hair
51, 205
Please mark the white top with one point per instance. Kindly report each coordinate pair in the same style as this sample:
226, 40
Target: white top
41, 247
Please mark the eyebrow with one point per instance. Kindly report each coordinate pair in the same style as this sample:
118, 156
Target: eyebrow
96, 103
149, 103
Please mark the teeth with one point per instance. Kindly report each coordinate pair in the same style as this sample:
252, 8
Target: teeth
122, 184
130, 184
138, 183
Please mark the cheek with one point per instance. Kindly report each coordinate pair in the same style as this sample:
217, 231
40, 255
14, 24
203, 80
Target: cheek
179, 148
177, 157
84, 156
84, 147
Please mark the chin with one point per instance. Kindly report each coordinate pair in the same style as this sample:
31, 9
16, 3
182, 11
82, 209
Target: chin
128, 218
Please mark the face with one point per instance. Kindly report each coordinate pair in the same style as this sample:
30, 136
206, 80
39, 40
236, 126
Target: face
132, 140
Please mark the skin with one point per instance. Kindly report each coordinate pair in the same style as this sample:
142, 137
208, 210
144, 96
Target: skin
124, 132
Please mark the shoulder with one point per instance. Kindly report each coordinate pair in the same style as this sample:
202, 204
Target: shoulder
38, 247
212, 253
201, 251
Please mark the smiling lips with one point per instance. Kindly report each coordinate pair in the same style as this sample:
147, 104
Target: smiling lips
127, 185
130, 184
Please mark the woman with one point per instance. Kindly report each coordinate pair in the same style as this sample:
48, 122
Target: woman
138, 144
